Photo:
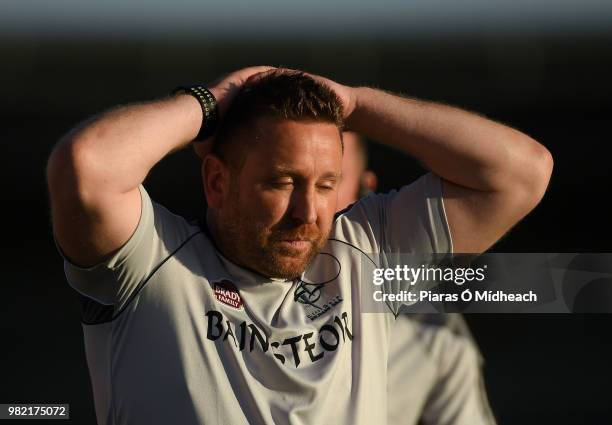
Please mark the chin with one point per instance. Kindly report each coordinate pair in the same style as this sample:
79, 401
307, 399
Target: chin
287, 267
286, 262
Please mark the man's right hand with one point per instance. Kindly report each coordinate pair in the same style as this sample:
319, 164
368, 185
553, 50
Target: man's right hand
225, 90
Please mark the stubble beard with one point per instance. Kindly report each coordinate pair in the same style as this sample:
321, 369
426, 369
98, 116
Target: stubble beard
259, 248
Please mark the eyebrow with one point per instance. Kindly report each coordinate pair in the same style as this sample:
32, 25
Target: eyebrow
282, 170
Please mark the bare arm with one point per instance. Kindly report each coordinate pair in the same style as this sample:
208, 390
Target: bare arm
94, 171
492, 175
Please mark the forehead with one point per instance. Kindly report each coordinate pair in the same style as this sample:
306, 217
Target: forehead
303, 147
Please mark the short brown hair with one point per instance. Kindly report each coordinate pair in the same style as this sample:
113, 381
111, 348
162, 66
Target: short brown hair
284, 94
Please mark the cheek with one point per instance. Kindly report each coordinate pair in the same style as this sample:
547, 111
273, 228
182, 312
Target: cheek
268, 207
327, 209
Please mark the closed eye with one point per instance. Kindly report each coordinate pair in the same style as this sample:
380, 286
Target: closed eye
282, 184
329, 183
326, 187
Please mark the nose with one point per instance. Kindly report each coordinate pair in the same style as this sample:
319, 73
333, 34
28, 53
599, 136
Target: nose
303, 208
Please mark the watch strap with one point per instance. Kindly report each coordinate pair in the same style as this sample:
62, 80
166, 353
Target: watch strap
210, 115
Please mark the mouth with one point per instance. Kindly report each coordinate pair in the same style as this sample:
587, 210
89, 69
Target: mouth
296, 244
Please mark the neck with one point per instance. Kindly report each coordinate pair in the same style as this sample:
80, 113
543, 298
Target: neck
212, 223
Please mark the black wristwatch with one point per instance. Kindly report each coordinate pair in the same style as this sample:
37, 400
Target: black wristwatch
210, 115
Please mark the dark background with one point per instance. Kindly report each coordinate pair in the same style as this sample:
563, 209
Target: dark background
540, 369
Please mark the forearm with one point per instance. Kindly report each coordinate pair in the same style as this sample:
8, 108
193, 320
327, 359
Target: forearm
116, 150
459, 146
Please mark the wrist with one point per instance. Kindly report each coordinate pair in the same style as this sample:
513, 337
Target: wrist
217, 92
352, 100
208, 107
355, 105
191, 111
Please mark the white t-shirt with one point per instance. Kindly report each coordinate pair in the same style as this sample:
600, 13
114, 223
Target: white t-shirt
176, 333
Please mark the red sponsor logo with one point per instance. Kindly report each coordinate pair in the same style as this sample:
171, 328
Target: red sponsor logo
227, 293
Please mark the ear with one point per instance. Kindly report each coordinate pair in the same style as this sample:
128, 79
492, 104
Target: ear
216, 179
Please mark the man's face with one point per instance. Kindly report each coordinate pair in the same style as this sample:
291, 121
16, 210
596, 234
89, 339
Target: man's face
280, 205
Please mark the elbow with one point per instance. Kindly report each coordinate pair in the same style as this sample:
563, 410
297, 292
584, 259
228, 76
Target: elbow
536, 172
543, 165
67, 166
60, 164
526, 182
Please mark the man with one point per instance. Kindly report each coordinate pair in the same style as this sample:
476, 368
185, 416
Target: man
255, 316
434, 375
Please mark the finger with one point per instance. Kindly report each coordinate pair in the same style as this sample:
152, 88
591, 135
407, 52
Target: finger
246, 73
259, 75
261, 68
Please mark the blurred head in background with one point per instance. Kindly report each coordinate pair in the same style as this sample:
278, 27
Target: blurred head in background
357, 180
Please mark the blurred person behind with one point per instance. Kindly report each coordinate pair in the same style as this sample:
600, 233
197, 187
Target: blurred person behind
434, 365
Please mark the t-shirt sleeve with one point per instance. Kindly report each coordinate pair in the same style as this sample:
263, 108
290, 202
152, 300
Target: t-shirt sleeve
113, 281
409, 220
402, 228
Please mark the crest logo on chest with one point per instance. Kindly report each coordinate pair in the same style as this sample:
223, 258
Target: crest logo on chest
227, 293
